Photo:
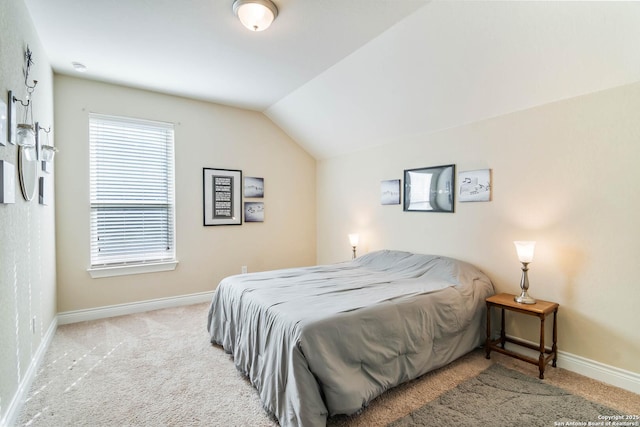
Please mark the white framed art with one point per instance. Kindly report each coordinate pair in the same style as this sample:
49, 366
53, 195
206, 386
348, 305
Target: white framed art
474, 186
390, 192
4, 129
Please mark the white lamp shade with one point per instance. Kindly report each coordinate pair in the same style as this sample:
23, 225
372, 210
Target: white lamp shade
256, 15
353, 239
525, 250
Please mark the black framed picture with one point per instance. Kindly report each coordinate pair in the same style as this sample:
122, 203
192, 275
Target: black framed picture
222, 196
430, 189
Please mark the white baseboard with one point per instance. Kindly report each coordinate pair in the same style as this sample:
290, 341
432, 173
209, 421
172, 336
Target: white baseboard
133, 307
13, 411
589, 368
599, 371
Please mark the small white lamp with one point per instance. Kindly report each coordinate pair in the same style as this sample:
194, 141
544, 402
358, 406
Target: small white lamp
353, 239
525, 255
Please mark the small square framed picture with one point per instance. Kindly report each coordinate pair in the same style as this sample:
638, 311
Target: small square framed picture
474, 186
253, 187
43, 192
12, 125
390, 192
4, 129
253, 212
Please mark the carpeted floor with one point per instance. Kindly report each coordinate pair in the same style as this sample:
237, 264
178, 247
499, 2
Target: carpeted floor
159, 369
504, 397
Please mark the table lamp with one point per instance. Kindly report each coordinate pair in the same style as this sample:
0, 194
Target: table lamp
525, 255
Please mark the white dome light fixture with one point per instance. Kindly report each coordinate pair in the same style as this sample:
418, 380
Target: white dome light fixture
256, 15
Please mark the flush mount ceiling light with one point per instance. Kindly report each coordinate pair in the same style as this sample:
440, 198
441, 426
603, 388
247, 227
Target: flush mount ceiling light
256, 15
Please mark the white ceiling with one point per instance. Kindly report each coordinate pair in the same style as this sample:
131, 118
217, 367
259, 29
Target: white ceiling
344, 75
199, 49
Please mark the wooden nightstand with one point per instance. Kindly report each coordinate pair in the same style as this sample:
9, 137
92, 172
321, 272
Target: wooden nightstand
541, 309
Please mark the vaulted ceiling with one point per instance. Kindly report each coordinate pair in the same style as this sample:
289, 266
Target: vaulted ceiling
340, 76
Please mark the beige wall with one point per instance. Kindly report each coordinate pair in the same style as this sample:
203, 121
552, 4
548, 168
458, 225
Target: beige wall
27, 238
206, 135
565, 174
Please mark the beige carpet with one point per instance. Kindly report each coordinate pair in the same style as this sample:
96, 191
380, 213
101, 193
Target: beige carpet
159, 369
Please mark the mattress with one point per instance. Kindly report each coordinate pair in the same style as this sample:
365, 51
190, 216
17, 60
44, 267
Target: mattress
326, 340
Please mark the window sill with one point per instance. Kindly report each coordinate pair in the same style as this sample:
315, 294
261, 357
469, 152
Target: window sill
125, 270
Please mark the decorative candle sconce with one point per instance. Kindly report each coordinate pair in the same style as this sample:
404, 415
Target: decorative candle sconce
47, 151
26, 140
25, 134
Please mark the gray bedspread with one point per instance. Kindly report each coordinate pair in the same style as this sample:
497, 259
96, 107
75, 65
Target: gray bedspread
326, 340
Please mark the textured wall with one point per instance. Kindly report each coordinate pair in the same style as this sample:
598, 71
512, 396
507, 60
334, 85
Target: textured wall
564, 174
27, 238
206, 135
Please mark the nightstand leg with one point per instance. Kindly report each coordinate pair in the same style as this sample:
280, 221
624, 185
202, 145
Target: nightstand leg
554, 348
487, 349
503, 335
541, 357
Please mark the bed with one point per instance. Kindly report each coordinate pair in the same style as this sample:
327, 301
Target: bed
326, 340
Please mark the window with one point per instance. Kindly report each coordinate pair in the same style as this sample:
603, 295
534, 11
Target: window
132, 196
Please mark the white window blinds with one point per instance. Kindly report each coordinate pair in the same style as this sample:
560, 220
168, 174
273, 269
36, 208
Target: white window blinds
132, 191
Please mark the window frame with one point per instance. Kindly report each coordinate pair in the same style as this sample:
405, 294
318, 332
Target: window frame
127, 265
